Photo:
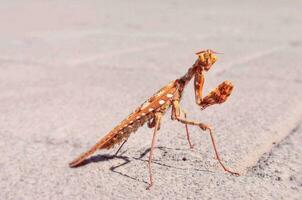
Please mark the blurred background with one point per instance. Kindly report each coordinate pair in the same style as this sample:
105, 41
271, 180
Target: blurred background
71, 70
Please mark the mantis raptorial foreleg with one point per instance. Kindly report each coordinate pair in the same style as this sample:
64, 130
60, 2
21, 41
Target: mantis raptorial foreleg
217, 96
204, 127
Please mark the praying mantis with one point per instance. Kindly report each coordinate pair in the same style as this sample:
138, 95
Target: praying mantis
152, 111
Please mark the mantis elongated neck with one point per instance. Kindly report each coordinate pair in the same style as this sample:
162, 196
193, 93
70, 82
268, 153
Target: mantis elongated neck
185, 79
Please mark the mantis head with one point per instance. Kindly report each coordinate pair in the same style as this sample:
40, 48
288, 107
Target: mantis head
207, 58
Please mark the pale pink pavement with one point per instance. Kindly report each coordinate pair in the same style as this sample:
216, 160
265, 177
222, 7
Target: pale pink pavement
71, 70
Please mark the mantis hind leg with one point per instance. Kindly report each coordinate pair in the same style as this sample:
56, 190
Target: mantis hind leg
120, 147
151, 124
157, 120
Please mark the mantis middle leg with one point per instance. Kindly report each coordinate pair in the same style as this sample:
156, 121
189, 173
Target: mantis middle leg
204, 127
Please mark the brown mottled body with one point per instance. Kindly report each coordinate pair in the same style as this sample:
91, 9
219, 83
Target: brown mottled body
155, 107
138, 118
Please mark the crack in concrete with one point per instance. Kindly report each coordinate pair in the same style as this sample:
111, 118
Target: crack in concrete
282, 164
252, 158
268, 155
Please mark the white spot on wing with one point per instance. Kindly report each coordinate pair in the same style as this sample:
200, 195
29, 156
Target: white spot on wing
161, 102
151, 109
169, 95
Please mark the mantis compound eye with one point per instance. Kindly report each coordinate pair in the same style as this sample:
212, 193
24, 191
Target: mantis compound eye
212, 58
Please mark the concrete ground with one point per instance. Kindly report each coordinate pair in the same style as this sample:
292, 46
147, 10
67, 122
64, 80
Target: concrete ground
71, 70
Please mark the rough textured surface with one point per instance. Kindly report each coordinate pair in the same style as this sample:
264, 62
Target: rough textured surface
70, 71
